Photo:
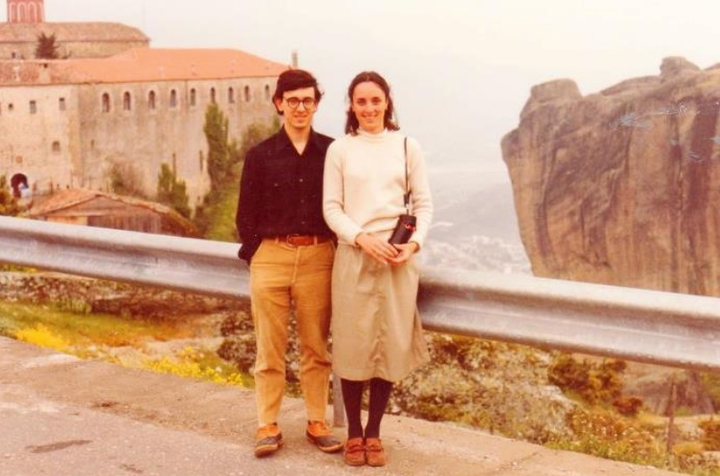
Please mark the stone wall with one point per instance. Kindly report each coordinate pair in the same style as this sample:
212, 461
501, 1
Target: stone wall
89, 140
42, 145
147, 137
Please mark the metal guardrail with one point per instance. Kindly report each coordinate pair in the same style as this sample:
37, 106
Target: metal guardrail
635, 324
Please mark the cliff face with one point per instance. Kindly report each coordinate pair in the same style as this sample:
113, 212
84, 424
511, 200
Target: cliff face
623, 186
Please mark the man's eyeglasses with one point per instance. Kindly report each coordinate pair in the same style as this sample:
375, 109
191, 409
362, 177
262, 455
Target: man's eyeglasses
308, 103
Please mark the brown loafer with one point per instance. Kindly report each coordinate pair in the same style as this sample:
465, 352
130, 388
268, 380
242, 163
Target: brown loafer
354, 452
374, 452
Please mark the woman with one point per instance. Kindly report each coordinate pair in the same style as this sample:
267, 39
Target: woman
377, 335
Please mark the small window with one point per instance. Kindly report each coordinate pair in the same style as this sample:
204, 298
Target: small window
14, 54
267, 92
193, 97
231, 95
127, 101
173, 99
92, 144
61, 104
56, 146
33, 107
213, 96
11, 107
247, 93
105, 102
202, 161
151, 100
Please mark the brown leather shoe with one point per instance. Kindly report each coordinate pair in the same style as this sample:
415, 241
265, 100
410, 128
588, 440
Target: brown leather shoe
354, 452
374, 452
319, 434
268, 440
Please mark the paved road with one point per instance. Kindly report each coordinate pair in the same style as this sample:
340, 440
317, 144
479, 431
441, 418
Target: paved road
67, 417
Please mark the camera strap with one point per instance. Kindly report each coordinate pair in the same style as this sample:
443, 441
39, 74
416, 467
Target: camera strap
406, 196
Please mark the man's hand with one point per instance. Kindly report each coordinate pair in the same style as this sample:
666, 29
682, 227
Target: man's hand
380, 250
405, 252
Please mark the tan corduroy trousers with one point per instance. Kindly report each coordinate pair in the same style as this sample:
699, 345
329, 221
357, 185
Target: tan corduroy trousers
281, 276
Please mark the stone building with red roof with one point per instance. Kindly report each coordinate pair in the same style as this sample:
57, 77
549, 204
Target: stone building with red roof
67, 123
26, 22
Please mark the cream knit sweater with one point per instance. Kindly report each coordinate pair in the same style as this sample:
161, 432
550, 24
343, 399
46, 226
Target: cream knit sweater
364, 185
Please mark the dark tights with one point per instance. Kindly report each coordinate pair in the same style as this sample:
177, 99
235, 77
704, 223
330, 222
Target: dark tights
352, 391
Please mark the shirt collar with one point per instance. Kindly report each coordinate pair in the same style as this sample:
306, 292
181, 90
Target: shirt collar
283, 140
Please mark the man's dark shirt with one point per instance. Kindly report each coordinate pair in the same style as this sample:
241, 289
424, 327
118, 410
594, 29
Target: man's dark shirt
281, 191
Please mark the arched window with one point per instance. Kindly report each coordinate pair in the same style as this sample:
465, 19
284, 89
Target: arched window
127, 101
193, 97
56, 146
173, 98
105, 102
151, 100
247, 93
32, 13
231, 95
13, 14
267, 92
213, 96
21, 12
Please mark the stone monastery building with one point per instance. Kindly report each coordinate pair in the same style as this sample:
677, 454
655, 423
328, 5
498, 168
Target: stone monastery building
65, 123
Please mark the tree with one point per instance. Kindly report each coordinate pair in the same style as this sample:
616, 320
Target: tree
219, 149
8, 203
47, 47
172, 192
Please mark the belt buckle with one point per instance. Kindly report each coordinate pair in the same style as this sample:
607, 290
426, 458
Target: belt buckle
289, 237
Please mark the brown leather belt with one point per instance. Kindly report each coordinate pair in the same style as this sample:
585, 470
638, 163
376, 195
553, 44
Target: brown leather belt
302, 240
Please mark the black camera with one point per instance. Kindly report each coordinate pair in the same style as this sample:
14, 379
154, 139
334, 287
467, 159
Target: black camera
403, 230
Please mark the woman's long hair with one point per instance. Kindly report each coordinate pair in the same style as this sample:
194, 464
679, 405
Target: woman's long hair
351, 124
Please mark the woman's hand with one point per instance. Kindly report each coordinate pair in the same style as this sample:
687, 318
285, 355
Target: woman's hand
406, 251
380, 250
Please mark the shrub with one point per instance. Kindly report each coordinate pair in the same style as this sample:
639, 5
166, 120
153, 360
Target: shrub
711, 434
594, 383
8, 203
628, 406
126, 179
172, 192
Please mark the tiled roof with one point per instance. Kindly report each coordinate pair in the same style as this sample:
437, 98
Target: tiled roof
68, 198
70, 32
141, 65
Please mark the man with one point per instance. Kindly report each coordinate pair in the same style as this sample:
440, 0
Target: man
290, 250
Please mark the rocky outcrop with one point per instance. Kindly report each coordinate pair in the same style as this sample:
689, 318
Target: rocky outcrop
622, 186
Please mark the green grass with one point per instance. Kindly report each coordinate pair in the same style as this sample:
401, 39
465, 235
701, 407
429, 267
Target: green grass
81, 329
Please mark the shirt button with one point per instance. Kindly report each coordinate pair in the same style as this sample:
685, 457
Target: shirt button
301, 180
302, 222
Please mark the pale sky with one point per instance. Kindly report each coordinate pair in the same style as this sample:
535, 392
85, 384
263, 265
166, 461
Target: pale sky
461, 69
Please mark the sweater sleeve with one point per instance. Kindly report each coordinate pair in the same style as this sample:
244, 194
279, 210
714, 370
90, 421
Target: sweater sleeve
334, 197
421, 200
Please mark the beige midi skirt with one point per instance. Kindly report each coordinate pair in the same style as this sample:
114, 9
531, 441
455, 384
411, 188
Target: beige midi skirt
376, 328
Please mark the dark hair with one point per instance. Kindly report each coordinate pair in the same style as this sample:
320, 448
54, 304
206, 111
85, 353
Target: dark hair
351, 124
293, 79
